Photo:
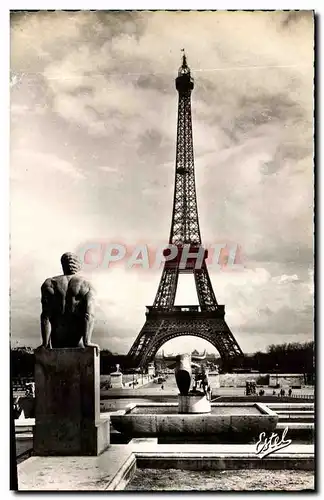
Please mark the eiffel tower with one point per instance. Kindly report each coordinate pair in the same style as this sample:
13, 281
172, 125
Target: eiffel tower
164, 320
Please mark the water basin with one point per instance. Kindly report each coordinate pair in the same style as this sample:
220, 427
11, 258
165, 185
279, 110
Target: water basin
161, 420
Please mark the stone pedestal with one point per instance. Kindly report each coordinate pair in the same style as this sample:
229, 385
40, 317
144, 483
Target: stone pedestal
151, 369
193, 403
67, 403
216, 381
116, 380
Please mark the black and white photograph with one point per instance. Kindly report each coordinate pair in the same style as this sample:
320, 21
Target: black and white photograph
162, 251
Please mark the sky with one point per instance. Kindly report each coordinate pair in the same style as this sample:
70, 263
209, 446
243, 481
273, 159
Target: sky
93, 137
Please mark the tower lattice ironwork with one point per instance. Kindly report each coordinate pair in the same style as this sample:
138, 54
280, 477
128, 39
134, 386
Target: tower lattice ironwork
164, 320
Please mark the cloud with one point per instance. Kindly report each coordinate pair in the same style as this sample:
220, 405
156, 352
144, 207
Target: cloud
109, 169
24, 160
286, 279
93, 138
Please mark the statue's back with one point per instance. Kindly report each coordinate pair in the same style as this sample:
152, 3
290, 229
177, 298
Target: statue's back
67, 307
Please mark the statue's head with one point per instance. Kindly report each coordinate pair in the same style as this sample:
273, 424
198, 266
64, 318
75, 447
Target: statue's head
71, 263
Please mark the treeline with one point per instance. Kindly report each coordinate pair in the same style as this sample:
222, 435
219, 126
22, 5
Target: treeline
282, 358
293, 357
22, 362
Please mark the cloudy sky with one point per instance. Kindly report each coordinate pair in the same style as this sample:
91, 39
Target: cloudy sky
93, 129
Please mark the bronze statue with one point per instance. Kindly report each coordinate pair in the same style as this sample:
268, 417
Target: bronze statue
183, 373
202, 379
67, 318
183, 369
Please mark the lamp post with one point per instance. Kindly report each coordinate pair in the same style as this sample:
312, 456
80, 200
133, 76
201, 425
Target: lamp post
13, 457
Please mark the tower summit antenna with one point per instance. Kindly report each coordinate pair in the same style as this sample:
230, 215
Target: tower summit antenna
184, 58
184, 68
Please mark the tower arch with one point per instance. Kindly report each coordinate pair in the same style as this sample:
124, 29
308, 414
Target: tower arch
153, 348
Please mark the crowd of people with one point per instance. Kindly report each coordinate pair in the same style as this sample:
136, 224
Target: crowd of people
282, 392
250, 389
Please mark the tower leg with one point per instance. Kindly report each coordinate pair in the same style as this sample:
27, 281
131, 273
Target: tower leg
166, 293
205, 292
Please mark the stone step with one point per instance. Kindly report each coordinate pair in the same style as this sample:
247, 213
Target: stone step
290, 417
296, 412
295, 425
291, 406
150, 444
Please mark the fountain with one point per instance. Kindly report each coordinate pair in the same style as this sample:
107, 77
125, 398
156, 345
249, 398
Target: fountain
195, 415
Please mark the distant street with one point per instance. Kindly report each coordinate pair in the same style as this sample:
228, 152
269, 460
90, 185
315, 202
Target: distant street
169, 387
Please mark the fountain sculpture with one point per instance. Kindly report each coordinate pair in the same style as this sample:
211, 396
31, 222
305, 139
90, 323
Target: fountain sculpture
195, 416
194, 400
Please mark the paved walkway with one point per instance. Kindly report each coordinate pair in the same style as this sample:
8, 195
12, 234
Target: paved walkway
115, 467
76, 473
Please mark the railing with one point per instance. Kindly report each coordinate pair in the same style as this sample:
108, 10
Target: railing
175, 309
304, 396
220, 309
20, 383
